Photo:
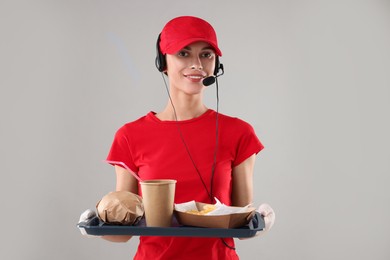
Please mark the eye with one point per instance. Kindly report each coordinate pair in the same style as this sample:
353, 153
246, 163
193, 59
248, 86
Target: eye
207, 55
182, 53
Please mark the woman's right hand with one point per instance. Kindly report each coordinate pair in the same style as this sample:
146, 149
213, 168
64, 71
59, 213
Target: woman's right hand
84, 217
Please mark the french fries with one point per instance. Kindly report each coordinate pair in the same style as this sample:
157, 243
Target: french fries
206, 209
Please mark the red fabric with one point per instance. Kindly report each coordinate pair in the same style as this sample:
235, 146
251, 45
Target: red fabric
184, 30
154, 150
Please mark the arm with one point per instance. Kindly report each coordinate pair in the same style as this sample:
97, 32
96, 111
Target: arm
242, 183
124, 181
242, 191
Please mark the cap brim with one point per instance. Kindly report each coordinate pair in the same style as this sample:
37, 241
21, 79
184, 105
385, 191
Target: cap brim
177, 46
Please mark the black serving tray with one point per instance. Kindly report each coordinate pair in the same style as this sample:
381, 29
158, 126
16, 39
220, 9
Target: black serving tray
96, 227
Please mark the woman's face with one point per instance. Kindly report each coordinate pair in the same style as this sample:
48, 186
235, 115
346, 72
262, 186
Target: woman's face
188, 67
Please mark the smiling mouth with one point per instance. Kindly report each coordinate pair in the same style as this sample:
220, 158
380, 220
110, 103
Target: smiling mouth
194, 76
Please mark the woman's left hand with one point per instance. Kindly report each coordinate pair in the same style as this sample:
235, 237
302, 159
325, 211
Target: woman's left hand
269, 215
269, 219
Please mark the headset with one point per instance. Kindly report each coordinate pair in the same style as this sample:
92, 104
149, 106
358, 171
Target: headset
161, 63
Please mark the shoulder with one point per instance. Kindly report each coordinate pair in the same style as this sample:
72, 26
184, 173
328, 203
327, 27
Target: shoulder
137, 124
234, 122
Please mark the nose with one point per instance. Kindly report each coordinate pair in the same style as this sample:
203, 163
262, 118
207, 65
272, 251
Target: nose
196, 64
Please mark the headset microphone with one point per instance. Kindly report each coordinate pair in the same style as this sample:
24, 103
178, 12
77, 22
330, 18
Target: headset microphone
208, 81
211, 79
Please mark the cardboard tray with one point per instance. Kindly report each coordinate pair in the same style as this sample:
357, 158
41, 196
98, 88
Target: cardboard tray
234, 220
96, 227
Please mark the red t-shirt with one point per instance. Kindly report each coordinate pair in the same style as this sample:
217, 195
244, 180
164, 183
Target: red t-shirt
154, 149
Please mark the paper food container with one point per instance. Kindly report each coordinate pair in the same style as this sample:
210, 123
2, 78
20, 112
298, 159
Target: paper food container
218, 219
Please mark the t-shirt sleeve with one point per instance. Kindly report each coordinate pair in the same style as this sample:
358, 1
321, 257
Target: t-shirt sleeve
121, 150
248, 144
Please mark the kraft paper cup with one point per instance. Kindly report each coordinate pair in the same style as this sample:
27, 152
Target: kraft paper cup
158, 198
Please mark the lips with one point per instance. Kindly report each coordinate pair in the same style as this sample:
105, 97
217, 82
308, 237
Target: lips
195, 77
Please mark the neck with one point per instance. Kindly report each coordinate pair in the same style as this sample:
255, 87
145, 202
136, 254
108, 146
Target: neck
184, 110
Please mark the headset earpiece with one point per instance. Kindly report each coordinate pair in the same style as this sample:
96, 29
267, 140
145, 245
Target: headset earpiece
217, 66
161, 63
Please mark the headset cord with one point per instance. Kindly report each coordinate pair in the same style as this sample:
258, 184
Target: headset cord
216, 141
215, 153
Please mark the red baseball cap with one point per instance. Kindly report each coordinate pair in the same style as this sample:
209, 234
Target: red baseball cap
184, 30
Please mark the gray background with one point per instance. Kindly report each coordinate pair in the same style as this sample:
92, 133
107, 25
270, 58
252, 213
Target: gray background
312, 77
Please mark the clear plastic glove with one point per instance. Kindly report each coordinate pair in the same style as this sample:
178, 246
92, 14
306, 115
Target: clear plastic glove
269, 219
269, 216
84, 217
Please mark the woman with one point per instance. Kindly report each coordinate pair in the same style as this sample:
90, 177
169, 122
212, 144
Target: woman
209, 154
